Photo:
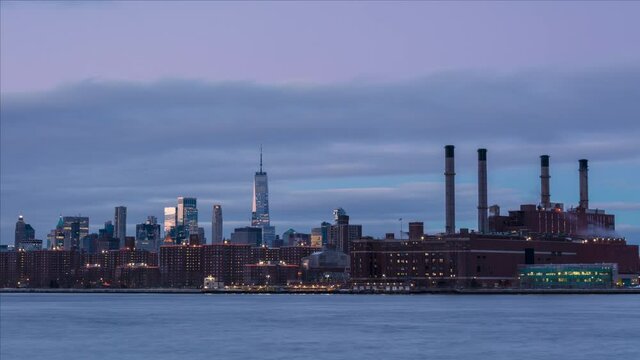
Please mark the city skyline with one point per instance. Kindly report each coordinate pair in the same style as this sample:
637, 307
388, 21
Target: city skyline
435, 151
186, 213
85, 131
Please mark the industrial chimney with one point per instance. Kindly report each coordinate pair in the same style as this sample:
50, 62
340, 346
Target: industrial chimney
545, 196
584, 184
483, 220
450, 191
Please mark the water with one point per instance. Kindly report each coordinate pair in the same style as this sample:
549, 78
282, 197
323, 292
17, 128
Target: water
155, 326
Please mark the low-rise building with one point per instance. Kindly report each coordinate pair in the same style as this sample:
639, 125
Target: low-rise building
270, 274
475, 260
568, 276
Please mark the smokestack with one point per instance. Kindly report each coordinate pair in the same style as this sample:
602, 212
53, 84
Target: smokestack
483, 220
584, 184
450, 191
545, 196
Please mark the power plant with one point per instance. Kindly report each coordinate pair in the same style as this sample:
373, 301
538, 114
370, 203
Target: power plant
551, 219
539, 245
544, 219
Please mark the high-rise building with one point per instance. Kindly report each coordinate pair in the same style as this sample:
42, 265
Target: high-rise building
321, 234
216, 224
106, 240
260, 209
247, 235
108, 230
24, 232
170, 219
148, 234
55, 239
75, 229
188, 213
120, 222
341, 234
201, 237
294, 238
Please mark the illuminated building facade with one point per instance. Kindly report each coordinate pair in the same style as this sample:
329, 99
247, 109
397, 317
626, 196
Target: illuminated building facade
568, 276
187, 214
260, 208
75, 229
170, 218
148, 234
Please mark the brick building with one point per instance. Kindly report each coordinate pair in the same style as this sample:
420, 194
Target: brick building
470, 260
226, 262
270, 274
181, 266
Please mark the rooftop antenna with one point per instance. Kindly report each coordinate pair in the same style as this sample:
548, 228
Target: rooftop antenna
261, 158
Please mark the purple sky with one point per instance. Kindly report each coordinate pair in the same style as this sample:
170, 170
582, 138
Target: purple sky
45, 45
136, 103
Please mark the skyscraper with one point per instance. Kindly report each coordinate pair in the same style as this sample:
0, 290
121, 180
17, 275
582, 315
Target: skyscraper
75, 229
188, 213
120, 223
341, 234
260, 209
216, 224
148, 234
170, 219
55, 238
24, 232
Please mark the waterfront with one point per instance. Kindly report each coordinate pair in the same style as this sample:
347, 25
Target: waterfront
197, 326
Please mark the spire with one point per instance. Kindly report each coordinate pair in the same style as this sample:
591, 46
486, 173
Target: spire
261, 159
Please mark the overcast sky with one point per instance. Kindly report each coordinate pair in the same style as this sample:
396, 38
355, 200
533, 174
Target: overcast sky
137, 103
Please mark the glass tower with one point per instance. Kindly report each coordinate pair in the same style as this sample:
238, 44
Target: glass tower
260, 209
188, 212
170, 218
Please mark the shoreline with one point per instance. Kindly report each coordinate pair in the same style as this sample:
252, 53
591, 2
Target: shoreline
635, 291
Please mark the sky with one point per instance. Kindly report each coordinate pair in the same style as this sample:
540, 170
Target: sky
137, 103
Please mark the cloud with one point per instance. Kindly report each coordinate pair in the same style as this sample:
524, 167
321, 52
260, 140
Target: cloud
93, 145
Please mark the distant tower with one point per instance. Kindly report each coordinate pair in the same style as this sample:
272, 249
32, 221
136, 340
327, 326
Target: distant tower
260, 209
170, 219
216, 225
75, 229
120, 223
188, 214
24, 232
337, 213
187, 211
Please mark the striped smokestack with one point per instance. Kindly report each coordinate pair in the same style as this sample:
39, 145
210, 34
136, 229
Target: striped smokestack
450, 191
545, 196
483, 220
